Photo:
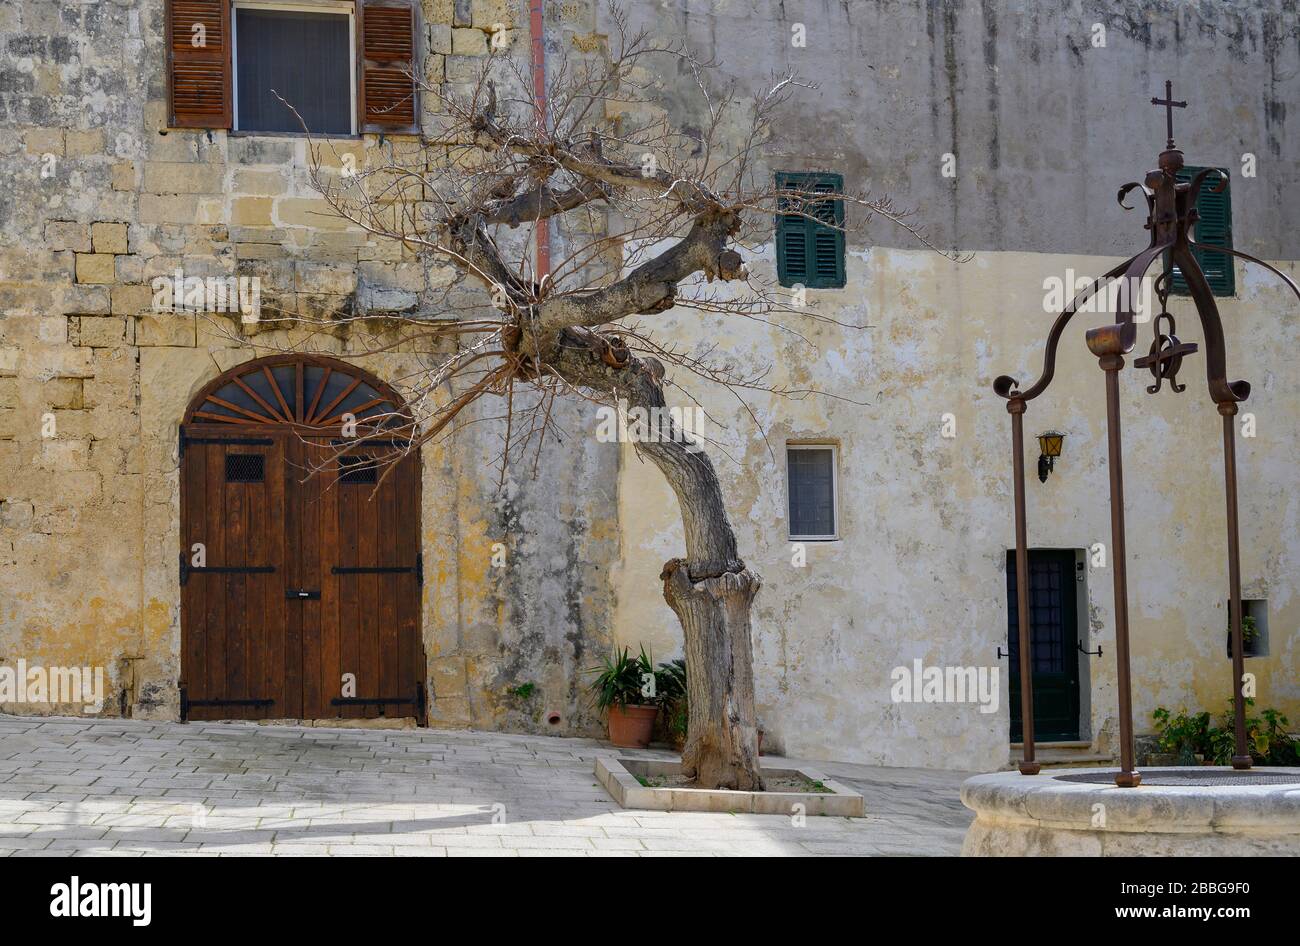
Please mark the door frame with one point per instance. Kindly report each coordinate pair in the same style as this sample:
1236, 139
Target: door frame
194, 427
1074, 658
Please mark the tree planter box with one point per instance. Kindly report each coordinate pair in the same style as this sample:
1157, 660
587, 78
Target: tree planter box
619, 776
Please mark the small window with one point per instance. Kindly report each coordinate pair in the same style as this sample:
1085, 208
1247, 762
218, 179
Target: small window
245, 468
812, 487
358, 469
1254, 627
1214, 228
810, 240
303, 54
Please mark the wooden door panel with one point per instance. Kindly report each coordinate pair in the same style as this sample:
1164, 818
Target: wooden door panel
329, 519
302, 538
349, 618
391, 587
234, 507
294, 609
268, 624
233, 616
373, 575
365, 503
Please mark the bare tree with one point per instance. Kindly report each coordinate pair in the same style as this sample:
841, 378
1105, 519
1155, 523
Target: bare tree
664, 211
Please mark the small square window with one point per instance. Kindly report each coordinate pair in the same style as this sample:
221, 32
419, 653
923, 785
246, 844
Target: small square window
304, 57
245, 468
358, 469
812, 487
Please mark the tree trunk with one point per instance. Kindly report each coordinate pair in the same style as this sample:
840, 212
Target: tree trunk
722, 733
711, 590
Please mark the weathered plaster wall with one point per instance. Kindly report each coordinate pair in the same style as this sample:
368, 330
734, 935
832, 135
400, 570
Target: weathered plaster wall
925, 521
1040, 121
101, 197
1045, 129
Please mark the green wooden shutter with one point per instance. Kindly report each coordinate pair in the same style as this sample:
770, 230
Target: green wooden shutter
808, 251
1213, 229
791, 248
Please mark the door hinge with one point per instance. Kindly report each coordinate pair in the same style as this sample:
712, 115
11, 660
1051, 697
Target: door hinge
418, 569
241, 441
187, 703
187, 569
380, 701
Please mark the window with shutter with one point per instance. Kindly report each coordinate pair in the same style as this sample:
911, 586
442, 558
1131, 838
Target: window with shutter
1214, 228
388, 52
811, 485
810, 240
198, 63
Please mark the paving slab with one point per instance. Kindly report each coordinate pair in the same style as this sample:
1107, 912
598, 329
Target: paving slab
132, 788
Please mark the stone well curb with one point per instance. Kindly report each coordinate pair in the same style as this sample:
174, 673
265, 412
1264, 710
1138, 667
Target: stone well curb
1039, 814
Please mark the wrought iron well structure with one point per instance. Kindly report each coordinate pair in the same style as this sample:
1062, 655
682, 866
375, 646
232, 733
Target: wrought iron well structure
1171, 218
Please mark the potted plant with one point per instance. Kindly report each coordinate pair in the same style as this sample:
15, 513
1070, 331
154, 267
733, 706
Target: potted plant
670, 689
624, 689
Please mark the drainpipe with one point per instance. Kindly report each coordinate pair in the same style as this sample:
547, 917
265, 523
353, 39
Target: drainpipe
543, 229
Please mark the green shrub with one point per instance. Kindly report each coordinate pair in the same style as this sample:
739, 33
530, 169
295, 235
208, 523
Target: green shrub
1186, 735
1183, 736
670, 687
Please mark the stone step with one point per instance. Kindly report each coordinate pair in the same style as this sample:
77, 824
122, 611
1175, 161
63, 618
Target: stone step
1064, 754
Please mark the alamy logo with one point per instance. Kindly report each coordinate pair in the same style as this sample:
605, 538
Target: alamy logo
1128, 294
622, 424
181, 293
78, 899
59, 685
921, 684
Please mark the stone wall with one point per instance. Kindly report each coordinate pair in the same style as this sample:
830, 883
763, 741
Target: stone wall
1045, 128
103, 197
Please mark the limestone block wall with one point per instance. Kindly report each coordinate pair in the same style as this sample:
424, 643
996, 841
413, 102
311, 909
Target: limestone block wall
102, 198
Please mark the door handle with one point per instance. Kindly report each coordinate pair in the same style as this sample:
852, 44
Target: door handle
301, 593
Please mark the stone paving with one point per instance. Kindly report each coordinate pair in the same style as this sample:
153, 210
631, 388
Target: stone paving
129, 788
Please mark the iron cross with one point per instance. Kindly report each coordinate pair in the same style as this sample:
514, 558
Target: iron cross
1169, 104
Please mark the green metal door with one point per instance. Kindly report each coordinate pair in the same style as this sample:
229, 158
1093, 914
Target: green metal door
1054, 633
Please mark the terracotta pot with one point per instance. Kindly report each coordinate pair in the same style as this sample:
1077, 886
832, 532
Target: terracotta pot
630, 726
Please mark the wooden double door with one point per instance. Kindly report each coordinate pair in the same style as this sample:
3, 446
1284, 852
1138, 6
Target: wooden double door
300, 571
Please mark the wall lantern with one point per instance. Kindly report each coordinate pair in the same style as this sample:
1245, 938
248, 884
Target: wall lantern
1049, 443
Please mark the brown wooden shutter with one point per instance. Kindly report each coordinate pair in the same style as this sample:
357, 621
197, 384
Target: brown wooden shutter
198, 63
387, 50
